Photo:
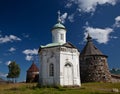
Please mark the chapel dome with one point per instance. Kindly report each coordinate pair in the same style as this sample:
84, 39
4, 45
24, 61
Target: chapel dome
58, 25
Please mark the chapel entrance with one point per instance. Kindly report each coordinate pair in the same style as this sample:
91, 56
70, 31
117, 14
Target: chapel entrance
68, 75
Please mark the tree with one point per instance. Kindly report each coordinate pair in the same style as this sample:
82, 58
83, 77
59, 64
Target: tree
14, 71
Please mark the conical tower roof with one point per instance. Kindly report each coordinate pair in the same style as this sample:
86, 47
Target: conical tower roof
90, 48
33, 68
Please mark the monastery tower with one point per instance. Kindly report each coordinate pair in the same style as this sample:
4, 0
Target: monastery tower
93, 64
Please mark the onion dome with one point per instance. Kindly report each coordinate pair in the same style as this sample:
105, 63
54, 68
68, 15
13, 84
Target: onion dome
59, 24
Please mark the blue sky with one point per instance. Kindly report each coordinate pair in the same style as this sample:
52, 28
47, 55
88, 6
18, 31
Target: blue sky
27, 24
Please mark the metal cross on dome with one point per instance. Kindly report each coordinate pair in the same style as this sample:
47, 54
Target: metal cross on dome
59, 18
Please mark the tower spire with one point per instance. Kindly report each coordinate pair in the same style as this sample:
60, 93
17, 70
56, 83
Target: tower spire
59, 18
89, 38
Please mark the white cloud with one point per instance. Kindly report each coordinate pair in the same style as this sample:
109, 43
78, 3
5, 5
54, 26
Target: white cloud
63, 17
117, 22
30, 54
71, 18
8, 62
69, 4
12, 49
89, 5
29, 57
3, 75
100, 35
9, 38
113, 37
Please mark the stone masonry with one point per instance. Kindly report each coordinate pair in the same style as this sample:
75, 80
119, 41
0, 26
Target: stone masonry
93, 64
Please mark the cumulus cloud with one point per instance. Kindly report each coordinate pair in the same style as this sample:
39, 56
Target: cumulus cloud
29, 57
117, 22
89, 5
63, 17
12, 49
71, 17
100, 35
30, 54
8, 62
9, 38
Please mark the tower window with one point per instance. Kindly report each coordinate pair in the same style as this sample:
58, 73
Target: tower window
61, 36
51, 70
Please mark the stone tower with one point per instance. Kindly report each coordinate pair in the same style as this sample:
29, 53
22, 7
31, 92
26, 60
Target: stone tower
59, 60
32, 74
93, 64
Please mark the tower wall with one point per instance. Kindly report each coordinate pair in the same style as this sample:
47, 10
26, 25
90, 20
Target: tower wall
94, 69
32, 77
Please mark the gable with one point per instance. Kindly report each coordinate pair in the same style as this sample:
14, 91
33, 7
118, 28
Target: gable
69, 45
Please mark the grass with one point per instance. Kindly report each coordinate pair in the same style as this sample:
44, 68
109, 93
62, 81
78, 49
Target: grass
87, 88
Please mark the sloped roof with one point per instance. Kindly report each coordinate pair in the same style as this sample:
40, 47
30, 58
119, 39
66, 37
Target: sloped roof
33, 68
90, 48
69, 45
51, 45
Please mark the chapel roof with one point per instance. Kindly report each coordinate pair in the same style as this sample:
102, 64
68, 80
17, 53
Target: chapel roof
67, 44
50, 45
33, 68
90, 48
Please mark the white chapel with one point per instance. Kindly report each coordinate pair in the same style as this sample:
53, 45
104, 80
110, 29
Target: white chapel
59, 60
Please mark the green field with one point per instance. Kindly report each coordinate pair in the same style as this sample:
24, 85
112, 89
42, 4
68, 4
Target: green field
86, 88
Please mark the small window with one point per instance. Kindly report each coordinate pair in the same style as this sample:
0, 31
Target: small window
51, 70
53, 38
61, 36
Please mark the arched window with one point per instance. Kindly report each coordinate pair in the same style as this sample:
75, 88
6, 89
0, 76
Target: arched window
68, 64
51, 70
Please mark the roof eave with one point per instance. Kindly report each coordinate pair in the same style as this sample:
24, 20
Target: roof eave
58, 28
